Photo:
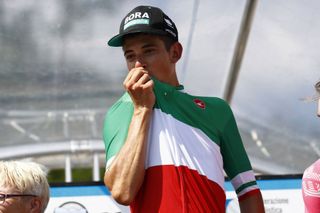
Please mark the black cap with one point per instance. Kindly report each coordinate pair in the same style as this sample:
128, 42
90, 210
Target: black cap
145, 19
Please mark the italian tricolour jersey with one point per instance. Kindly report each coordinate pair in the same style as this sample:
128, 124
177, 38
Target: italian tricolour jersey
192, 141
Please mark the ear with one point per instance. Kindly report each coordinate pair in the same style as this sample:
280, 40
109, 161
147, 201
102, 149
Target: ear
175, 52
35, 205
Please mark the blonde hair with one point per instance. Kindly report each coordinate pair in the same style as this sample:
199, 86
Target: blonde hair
26, 178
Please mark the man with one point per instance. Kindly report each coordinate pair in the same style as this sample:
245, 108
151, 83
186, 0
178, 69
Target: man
311, 176
166, 150
23, 187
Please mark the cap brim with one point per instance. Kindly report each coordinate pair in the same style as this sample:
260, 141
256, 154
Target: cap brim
116, 41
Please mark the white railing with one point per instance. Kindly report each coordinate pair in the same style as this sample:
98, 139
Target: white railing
64, 149
29, 142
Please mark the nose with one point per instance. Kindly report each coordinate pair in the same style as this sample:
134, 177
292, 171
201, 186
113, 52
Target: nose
140, 64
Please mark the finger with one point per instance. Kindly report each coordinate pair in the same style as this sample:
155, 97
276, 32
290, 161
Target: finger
126, 80
144, 78
134, 77
148, 84
132, 71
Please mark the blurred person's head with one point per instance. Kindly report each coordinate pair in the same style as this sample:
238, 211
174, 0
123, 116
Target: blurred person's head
23, 187
317, 87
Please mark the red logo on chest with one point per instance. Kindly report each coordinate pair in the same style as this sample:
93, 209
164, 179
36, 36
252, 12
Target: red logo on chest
199, 103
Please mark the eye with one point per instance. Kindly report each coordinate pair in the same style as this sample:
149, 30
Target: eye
129, 57
149, 51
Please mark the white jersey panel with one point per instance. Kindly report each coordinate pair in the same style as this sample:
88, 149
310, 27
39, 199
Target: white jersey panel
172, 142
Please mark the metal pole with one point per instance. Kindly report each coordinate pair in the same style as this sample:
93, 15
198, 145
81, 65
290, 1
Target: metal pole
239, 49
65, 124
68, 169
96, 169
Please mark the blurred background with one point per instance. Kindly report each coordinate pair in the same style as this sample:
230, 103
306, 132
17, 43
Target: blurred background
58, 77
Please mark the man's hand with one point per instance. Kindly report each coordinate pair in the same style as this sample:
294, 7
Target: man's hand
139, 85
125, 175
252, 204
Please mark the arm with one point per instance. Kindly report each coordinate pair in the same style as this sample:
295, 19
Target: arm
252, 204
125, 175
238, 168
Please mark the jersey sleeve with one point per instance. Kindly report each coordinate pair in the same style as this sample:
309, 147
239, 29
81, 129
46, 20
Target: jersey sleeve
116, 126
235, 159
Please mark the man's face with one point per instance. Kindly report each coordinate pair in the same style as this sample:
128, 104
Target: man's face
150, 52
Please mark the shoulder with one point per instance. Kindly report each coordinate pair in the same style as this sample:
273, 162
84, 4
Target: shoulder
212, 103
218, 102
118, 116
210, 106
120, 111
122, 103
